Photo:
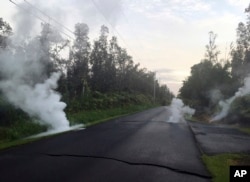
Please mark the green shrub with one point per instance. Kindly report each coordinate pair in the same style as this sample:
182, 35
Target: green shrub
240, 110
20, 129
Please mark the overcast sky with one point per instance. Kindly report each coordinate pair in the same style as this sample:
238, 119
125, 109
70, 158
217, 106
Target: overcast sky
166, 36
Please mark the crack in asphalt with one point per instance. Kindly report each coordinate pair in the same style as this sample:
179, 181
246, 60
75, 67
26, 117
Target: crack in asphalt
131, 163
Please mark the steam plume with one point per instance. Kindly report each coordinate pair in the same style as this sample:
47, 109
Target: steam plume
24, 81
20, 86
178, 110
225, 105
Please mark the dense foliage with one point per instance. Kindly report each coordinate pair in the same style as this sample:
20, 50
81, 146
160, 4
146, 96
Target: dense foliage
212, 81
94, 76
104, 75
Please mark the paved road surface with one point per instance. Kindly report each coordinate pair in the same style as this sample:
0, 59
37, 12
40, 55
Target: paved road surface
141, 147
216, 139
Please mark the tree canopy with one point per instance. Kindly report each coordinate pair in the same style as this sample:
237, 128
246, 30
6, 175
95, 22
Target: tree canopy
102, 68
213, 80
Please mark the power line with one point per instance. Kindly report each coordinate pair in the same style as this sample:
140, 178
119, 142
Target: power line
38, 17
132, 25
66, 28
103, 14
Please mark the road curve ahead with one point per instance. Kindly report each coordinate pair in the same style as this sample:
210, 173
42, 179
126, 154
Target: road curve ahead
138, 148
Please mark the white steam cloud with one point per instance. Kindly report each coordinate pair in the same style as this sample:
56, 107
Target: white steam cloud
92, 12
225, 105
179, 110
23, 64
19, 84
24, 81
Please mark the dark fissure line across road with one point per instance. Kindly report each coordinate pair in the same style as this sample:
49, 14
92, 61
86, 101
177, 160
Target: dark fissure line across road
142, 147
131, 163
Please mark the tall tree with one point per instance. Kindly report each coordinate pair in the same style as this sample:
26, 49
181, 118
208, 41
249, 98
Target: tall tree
5, 32
51, 44
241, 54
98, 59
211, 49
207, 76
78, 72
123, 64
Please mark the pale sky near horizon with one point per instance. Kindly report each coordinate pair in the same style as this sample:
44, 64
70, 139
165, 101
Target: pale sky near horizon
166, 36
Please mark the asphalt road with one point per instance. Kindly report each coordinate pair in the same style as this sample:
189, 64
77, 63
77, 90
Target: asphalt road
141, 147
219, 138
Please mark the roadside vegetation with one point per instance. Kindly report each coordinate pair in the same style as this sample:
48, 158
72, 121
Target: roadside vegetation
218, 165
245, 130
17, 133
15, 124
213, 80
99, 80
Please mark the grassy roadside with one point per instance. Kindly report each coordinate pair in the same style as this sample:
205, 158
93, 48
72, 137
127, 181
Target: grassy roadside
218, 165
96, 116
245, 130
15, 135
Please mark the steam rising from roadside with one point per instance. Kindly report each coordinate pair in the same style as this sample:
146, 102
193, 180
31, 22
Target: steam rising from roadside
24, 79
179, 110
225, 105
23, 66
23, 86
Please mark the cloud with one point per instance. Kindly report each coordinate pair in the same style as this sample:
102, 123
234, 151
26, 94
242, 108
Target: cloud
109, 10
164, 70
177, 10
92, 12
190, 6
170, 75
239, 3
224, 26
169, 79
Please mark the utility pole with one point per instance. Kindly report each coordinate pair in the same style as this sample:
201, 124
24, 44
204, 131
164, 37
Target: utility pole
154, 86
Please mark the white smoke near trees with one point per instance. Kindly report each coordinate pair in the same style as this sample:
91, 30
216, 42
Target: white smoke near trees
24, 85
179, 110
24, 65
215, 96
26, 79
66, 13
25, 22
39, 101
225, 105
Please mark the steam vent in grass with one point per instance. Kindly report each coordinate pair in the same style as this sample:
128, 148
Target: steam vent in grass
27, 84
225, 105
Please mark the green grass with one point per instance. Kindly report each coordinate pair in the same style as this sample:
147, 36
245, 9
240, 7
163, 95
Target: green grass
97, 116
15, 134
191, 119
245, 130
218, 165
20, 129
8, 144
14, 143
